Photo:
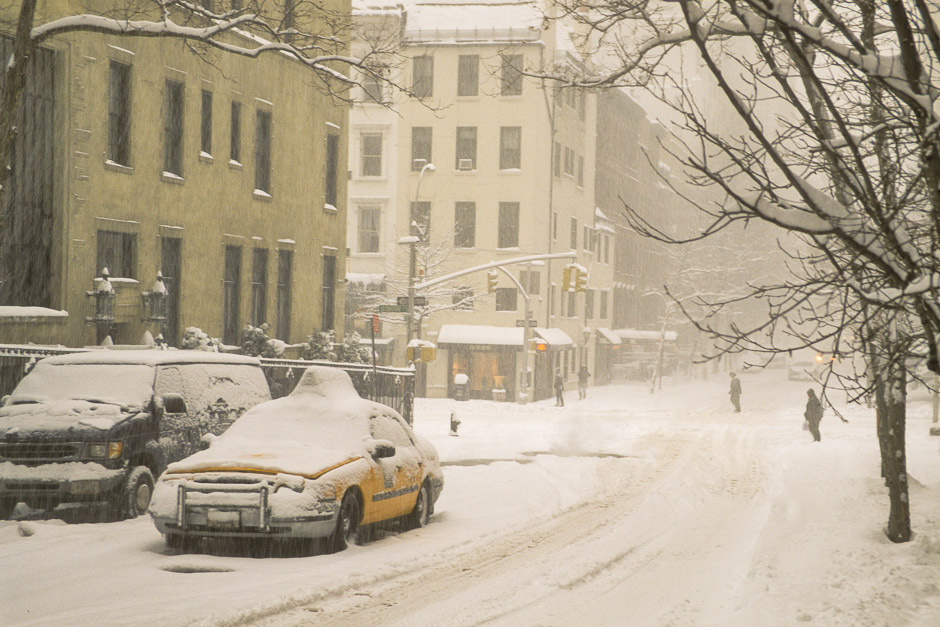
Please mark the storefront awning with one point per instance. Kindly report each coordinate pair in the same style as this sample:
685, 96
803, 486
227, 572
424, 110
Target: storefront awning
555, 337
462, 335
608, 336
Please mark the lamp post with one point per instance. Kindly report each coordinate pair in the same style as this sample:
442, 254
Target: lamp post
412, 240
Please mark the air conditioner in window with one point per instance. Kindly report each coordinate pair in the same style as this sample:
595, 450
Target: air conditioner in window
417, 164
465, 164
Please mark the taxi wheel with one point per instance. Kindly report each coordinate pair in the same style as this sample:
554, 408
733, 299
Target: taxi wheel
137, 492
347, 524
421, 514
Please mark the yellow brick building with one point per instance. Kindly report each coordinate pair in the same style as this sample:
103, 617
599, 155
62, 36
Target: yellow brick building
224, 173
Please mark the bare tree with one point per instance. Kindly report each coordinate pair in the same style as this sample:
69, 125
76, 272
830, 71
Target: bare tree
837, 140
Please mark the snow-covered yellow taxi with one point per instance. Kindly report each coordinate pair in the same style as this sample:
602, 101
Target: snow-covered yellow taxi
321, 462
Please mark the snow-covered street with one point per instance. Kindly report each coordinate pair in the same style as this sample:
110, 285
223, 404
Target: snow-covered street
624, 509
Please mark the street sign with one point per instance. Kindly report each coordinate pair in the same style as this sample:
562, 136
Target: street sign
522, 323
393, 308
420, 301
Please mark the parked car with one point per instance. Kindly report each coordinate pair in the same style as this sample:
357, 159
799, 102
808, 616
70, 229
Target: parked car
95, 428
319, 463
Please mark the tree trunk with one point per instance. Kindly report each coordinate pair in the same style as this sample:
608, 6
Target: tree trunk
890, 394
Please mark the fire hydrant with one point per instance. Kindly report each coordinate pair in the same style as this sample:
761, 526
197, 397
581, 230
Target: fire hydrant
454, 423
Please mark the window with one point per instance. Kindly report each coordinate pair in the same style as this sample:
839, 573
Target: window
574, 233
420, 147
205, 136
506, 298
466, 148
235, 135
328, 290
468, 74
118, 253
421, 215
587, 238
369, 220
554, 225
288, 26
285, 263
569, 162
603, 315
589, 304
119, 113
551, 300
572, 304
259, 287
173, 129
371, 154
531, 281
557, 160
511, 75
465, 217
332, 169
508, 235
232, 300
263, 151
462, 298
606, 249
581, 101
422, 69
372, 87
580, 171
510, 147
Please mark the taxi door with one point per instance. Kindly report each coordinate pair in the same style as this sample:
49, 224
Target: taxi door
401, 473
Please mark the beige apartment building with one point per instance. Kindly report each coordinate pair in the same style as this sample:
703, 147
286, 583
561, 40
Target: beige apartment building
484, 164
220, 172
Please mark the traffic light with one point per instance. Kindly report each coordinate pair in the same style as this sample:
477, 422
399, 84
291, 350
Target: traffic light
580, 281
566, 279
491, 278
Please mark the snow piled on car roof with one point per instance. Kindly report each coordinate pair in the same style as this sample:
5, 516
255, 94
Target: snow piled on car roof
323, 423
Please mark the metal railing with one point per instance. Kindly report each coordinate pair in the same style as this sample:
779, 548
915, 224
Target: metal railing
390, 386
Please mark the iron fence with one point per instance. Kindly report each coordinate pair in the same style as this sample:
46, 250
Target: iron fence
390, 386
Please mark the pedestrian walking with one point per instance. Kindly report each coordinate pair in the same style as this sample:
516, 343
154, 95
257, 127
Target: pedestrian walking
583, 376
735, 392
559, 389
813, 413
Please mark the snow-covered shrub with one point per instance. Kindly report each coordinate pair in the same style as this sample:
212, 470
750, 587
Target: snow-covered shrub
353, 351
255, 342
195, 339
320, 345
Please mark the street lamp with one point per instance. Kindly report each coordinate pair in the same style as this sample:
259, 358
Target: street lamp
412, 240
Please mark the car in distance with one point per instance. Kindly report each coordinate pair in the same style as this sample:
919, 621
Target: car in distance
803, 370
320, 463
92, 429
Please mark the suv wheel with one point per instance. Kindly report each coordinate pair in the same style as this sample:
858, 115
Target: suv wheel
135, 499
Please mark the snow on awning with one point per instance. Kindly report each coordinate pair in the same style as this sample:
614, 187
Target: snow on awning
609, 336
484, 20
635, 334
463, 335
555, 337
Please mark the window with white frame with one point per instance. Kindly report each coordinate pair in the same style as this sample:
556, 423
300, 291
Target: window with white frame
369, 226
370, 148
510, 147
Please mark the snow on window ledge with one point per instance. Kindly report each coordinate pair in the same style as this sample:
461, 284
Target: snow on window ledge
169, 177
114, 166
327, 207
205, 157
235, 165
260, 194
510, 171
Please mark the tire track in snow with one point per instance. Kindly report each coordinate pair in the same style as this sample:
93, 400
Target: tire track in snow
632, 530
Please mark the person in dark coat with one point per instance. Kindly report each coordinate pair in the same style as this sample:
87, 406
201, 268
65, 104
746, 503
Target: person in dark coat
559, 389
735, 392
583, 376
813, 413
